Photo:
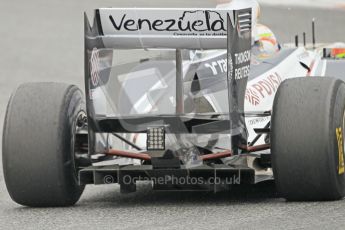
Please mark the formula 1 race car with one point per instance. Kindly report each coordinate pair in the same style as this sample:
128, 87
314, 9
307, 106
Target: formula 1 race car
187, 99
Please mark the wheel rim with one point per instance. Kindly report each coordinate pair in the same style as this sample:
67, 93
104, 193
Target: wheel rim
80, 142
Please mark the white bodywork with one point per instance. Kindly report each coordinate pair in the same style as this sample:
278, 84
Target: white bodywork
261, 90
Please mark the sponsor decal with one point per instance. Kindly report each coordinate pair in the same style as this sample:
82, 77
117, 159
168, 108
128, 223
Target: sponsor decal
258, 120
341, 165
243, 70
218, 66
263, 88
208, 22
252, 96
94, 67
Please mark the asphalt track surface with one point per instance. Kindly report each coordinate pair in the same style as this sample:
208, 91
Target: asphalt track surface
43, 41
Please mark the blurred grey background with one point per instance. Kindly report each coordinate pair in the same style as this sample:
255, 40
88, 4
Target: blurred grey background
42, 40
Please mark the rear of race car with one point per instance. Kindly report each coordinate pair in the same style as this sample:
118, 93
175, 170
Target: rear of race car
149, 114
165, 96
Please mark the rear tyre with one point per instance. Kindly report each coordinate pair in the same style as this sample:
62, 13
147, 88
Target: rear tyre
38, 144
308, 139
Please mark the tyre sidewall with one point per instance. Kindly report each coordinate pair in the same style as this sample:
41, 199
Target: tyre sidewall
337, 121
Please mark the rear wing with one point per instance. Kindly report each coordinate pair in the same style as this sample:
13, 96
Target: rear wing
115, 28
129, 28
